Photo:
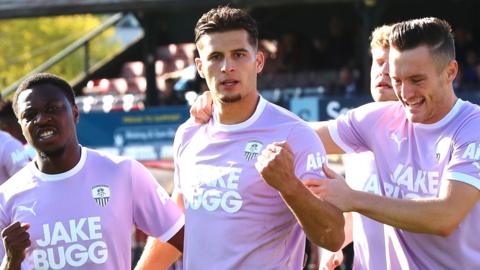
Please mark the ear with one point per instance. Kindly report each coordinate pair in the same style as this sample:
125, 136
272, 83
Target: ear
260, 61
76, 114
198, 63
451, 70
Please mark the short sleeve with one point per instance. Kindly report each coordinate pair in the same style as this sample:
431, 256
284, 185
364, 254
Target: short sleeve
153, 210
177, 142
353, 131
308, 151
464, 164
14, 157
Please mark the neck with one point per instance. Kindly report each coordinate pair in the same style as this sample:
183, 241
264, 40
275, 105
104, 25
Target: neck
451, 99
236, 112
58, 161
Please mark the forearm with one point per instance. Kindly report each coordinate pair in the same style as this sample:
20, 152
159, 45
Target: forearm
10, 265
432, 216
321, 128
157, 255
322, 222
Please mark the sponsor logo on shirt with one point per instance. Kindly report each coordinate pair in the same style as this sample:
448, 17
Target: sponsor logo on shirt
398, 139
70, 244
252, 149
407, 182
472, 152
315, 161
372, 185
28, 209
101, 194
18, 156
214, 188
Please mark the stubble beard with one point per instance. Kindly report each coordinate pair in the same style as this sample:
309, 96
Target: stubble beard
55, 153
230, 98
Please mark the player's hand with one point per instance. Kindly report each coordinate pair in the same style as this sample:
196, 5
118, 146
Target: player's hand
332, 260
15, 240
333, 189
202, 108
275, 165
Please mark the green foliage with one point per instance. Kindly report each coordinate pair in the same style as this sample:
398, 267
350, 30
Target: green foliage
27, 43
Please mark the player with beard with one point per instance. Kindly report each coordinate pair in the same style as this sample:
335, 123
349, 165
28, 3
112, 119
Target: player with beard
237, 215
73, 207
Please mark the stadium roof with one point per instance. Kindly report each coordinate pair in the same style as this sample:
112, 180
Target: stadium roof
38, 8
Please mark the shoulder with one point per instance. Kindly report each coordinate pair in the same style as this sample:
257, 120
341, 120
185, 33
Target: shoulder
105, 160
467, 119
280, 114
373, 109
187, 129
6, 140
19, 182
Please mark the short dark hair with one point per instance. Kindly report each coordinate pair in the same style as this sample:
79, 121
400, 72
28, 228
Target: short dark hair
42, 79
225, 18
6, 112
435, 33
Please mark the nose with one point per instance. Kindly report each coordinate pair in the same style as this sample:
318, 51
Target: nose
227, 65
42, 118
406, 91
386, 69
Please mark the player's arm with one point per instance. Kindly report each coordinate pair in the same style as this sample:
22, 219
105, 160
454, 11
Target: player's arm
17, 159
438, 216
330, 260
161, 255
321, 221
15, 240
321, 128
202, 108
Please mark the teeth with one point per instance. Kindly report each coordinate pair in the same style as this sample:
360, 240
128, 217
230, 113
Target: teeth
46, 133
414, 103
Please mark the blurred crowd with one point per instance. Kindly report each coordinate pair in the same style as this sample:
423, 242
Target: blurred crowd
325, 65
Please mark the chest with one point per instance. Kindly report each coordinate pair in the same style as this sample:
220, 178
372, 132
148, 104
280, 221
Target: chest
219, 174
410, 162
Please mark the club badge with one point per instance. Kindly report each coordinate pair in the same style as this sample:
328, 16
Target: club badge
101, 194
252, 149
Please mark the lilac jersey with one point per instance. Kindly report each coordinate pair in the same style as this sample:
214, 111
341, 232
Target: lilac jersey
367, 234
83, 218
12, 156
234, 219
412, 161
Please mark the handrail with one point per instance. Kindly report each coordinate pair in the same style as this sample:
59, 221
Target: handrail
81, 42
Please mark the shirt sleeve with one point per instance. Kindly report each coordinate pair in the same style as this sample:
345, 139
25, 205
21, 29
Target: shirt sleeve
15, 157
309, 153
4, 221
153, 210
464, 164
352, 132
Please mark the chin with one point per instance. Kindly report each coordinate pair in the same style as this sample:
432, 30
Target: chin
52, 151
231, 98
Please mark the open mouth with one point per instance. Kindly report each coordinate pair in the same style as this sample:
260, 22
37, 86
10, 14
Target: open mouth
229, 83
415, 104
46, 134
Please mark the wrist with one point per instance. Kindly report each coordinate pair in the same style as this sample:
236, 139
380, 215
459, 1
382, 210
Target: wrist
356, 198
291, 187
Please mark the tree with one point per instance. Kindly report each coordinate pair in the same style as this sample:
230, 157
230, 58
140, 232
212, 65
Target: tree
27, 43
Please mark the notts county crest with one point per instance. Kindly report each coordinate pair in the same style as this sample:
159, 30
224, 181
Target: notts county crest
252, 149
101, 194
